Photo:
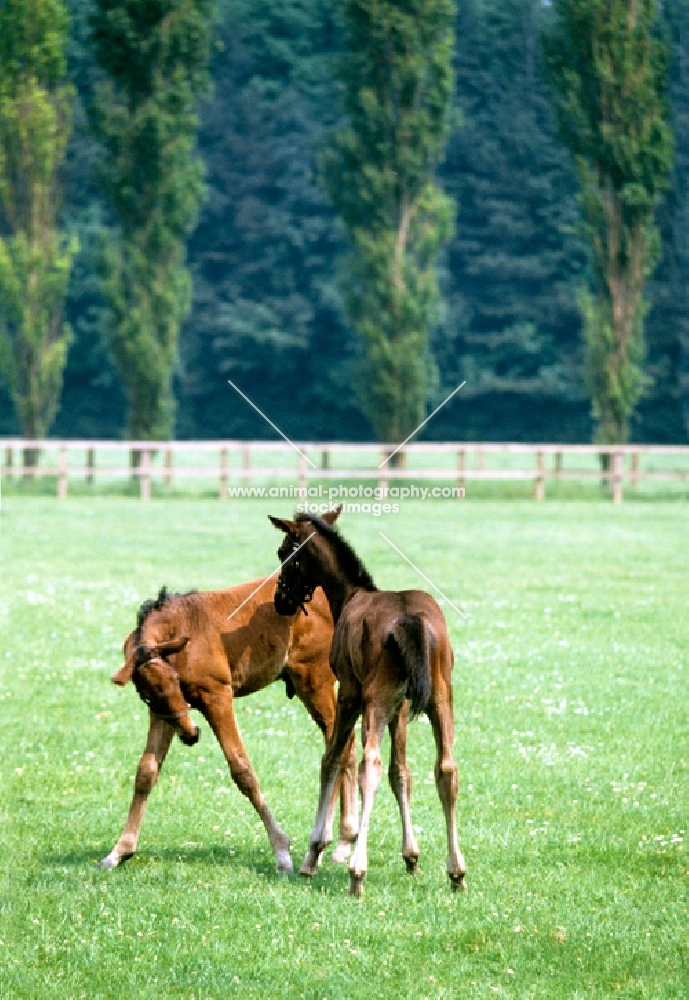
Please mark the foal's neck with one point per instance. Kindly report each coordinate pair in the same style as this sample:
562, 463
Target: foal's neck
338, 588
338, 592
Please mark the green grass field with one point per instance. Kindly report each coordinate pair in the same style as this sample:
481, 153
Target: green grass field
572, 740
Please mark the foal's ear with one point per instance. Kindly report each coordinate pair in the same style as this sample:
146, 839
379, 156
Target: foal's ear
332, 515
126, 672
289, 527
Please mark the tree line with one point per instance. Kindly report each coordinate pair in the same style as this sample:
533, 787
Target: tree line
347, 210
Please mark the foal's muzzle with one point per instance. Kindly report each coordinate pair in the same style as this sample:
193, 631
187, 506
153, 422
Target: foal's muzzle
292, 593
190, 739
284, 603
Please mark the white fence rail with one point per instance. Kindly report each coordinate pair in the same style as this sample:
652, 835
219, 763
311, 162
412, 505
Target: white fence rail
246, 462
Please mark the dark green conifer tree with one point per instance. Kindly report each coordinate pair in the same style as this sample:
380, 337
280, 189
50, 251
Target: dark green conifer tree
511, 328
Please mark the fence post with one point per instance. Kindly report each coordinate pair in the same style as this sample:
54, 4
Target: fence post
635, 469
145, 474
325, 458
246, 465
460, 467
223, 473
168, 466
62, 474
9, 456
558, 464
540, 478
90, 463
617, 477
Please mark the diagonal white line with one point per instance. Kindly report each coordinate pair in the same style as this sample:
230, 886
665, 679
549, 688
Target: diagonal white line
423, 574
293, 553
269, 421
423, 424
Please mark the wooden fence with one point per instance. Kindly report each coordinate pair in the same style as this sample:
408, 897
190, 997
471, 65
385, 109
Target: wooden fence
244, 462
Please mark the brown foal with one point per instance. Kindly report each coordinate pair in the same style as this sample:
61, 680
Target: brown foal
392, 657
204, 649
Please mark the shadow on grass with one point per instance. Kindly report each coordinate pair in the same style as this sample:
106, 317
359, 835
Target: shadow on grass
332, 878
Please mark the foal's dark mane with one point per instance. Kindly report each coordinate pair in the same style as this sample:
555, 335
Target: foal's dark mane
155, 604
349, 562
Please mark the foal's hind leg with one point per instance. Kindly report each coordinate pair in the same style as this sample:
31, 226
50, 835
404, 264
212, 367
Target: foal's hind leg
439, 712
158, 742
219, 710
400, 782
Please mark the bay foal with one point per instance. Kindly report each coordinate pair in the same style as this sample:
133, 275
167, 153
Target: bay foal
203, 650
392, 657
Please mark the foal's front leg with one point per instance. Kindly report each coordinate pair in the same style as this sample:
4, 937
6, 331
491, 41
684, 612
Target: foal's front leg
320, 702
219, 710
349, 803
370, 772
158, 742
345, 719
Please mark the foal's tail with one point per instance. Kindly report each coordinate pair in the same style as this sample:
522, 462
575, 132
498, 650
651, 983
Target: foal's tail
410, 641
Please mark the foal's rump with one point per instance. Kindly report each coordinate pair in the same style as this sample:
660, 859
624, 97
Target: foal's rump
410, 642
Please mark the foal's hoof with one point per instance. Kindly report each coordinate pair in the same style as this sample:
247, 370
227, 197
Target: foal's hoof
412, 865
458, 882
112, 860
356, 884
308, 869
284, 863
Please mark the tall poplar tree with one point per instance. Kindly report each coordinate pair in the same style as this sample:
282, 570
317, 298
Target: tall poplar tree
35, 256
379, 169
154, 58
608, 65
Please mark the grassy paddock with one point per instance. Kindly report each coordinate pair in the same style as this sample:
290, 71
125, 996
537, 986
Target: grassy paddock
571, 709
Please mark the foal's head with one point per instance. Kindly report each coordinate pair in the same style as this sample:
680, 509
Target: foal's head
313, 554
157, 682
300, 562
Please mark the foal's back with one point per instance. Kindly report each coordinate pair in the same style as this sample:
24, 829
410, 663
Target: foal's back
236, 637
